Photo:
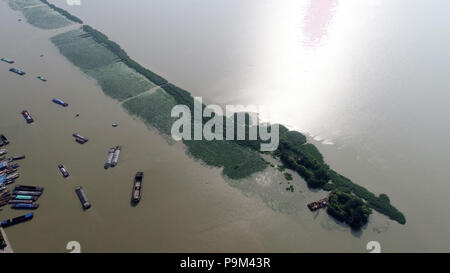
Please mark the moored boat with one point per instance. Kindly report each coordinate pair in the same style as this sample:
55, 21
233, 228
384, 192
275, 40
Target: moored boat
16, 220
41, 78
15, 201
14, 158
24, 197
109, 158
116, 155
322, 203
30, 193
25, 206
28, 188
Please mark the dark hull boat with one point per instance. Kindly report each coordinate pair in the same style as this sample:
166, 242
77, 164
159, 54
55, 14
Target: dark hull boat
80, 140
4, 139
42, 78
27, 116
20, 157
6, 60
30, 193
17, 220
83, 198
17, 71
75, 135
137, 187
25, 206
28, 188
12, 202
63, 170
60, 102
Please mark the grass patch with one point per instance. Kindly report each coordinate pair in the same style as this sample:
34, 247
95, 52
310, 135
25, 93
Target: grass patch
115, 78
39, 15
119, 81
154, 109
21, 4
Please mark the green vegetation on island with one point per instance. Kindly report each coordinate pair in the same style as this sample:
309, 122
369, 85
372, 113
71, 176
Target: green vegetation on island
348, 208
63, 12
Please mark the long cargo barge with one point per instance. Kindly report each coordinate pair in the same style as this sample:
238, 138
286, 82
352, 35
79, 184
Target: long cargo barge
25, 206
137, 187
30, 193
60, 102
109, 158
16, 220
15, 158
15, 201
28, 188
83, 198
116, 155
4, 139
17, 71
24, 197
27, 116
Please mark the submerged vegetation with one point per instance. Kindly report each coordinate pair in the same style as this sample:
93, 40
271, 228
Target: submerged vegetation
39, 15
116, 79
123, 56
63, 12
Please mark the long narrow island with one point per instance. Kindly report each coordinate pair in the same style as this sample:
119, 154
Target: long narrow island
125, 80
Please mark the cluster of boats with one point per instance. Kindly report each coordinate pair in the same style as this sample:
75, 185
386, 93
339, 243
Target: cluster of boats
8, 169
113, 157
22, 197
18, 71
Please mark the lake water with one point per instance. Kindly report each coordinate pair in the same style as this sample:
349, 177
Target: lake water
365, 79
